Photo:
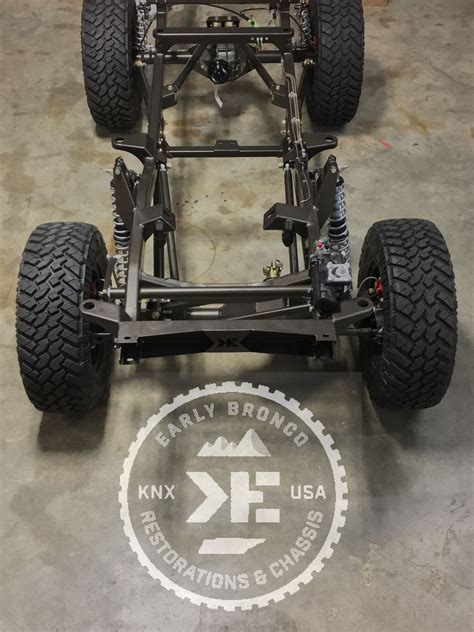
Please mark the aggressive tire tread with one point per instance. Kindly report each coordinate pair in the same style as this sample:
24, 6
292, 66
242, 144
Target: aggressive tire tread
416, 362
111, 87
338, 29
53, 341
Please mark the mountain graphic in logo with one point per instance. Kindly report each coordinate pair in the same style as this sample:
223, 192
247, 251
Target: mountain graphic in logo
249, 446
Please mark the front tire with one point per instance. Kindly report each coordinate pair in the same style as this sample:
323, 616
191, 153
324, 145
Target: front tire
64, 365
411, 365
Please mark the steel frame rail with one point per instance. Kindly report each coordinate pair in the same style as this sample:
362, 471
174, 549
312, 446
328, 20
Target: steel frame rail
276, 316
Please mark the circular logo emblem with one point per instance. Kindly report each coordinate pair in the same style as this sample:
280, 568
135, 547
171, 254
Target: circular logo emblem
233, 496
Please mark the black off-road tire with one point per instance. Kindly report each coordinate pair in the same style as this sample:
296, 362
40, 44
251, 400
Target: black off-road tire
107, 36
411, 366
63, 264
337, 28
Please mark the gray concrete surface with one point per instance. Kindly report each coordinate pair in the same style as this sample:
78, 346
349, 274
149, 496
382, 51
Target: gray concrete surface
404, 562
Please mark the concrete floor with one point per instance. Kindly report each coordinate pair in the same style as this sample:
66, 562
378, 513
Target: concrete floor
404, 561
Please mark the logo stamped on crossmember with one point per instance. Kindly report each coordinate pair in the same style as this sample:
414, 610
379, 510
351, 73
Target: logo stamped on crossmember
233, 496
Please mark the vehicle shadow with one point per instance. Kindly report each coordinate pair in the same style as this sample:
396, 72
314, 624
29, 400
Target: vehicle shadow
72, 433
398, 444
405, 426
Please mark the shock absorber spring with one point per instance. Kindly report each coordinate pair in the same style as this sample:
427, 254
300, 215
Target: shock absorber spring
121, 242
305, 23
338, 230
140, 25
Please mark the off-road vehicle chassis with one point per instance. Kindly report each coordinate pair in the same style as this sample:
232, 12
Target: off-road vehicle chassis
75, 304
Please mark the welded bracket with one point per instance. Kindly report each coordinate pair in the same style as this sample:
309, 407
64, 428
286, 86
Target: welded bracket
280, 215
155, 217
124, 201
324, 190
107, 315
315, 143
353, 311
139, 145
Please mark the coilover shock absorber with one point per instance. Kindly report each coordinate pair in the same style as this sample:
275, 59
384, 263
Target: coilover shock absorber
338, 230
121, 242
304, 18
330, 263
142, 13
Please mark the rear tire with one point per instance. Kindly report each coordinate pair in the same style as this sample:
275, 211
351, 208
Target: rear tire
62, 368
411, 366
107, 36
337, 28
